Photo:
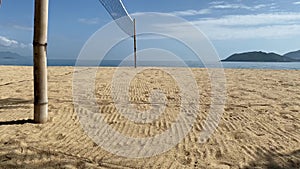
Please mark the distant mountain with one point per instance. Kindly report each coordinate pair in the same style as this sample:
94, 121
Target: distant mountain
11, 58
293, 55
257, 57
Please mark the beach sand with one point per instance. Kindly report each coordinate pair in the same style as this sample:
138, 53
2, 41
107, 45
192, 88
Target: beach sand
260, 127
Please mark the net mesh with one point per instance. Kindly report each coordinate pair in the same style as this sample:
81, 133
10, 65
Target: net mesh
118, 12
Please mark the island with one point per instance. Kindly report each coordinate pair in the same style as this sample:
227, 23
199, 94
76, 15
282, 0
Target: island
12, 58
259, 56
293, 55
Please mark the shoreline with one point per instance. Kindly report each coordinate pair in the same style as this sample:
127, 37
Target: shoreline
169, 67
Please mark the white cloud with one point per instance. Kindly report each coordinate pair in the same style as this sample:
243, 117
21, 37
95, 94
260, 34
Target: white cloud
266, 26
191, 12
297, 3
150, 37
231, 6
265, 32
10, 43
224, 5
20, 27
89, 21
253, 20
278, 25
216, 2
5, 42
260, 6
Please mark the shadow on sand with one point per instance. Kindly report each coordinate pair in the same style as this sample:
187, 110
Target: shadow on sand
275, 160
16, 122
14, 156
13, 103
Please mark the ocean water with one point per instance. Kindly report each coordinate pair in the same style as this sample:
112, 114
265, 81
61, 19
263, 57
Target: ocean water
263, 65
193, 64
226, 65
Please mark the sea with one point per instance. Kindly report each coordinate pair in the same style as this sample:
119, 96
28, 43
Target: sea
192, 64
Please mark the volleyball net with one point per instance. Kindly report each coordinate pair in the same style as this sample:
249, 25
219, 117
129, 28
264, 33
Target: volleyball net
119, 13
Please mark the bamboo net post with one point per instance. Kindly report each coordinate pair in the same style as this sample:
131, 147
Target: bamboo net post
40, 61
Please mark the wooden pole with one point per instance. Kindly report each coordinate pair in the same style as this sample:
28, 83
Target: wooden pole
134, 37
40, 61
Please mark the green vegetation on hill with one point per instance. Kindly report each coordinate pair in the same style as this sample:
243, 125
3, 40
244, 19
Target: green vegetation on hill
10, 58
258, 57
10, 55
293, 55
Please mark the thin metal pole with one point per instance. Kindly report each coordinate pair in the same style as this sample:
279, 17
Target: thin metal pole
134, 37
40, 61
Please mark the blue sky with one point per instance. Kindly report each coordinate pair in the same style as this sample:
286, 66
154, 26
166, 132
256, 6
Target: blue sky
232, 26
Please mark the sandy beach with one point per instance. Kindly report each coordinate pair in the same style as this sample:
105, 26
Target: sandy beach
260, 127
